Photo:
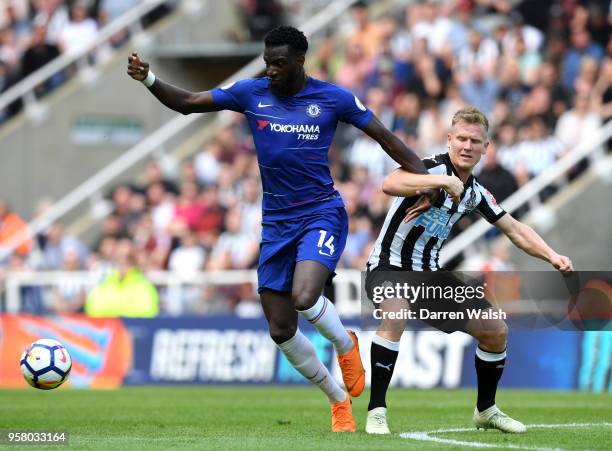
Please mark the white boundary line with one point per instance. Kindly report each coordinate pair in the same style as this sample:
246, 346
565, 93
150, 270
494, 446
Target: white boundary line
425, 437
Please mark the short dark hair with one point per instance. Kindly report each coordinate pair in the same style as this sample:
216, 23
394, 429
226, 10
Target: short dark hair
286, 35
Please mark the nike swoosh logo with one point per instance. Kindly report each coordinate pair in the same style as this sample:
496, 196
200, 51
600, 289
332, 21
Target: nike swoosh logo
261, 105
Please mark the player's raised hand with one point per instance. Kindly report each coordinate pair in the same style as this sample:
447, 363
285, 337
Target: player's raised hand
424, 203
454, 187
137, 69
562, 263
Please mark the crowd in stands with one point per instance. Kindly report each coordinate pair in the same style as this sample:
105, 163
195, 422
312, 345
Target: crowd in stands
542, 73
34, 32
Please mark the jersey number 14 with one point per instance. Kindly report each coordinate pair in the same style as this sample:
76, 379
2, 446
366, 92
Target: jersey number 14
325, 247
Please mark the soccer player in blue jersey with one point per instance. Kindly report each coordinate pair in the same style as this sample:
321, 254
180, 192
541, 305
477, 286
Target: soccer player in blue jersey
293, 118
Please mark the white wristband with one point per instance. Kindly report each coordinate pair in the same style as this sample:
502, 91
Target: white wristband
148, 82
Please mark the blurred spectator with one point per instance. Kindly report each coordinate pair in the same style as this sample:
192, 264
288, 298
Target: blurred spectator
559, 95
541, 149
248, 305
54, 14
68, 295
512, 89
79, 32
432, 130
235, 248
480, 90
38, 54
250, 205
353, 70
578, 124
31, 296
493, 176
506, 151
7, 79
125, 291
367, 34
207, 164
10, 52
431, 24
261, 16
213, 217
407, 113
14, 13
189, 210
154, 174
110, 10
57, 245
188, 258
479, 56
582, 46
602, 91
360, 233
12, 226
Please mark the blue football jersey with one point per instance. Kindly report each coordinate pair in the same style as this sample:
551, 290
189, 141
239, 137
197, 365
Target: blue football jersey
292, 136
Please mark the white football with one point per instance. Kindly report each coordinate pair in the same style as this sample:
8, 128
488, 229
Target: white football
45, 364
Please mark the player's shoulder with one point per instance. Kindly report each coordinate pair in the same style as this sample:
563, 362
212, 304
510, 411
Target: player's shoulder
323, 85
338, 92
439, 161
479, 186
482, 192
247, 84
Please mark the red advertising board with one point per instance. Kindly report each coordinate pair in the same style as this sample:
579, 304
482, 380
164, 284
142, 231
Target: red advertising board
101, 349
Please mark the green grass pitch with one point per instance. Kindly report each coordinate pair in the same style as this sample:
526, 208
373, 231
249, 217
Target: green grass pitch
275, 418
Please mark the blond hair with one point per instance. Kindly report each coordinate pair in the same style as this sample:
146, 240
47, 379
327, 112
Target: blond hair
471, 115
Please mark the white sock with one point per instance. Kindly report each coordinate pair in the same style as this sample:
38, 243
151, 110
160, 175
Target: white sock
302, 355
324, 317
381, 341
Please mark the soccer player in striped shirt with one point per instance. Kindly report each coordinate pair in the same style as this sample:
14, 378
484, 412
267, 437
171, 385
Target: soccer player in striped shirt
412, 243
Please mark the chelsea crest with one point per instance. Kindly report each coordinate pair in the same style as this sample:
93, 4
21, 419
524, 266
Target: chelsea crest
313, 110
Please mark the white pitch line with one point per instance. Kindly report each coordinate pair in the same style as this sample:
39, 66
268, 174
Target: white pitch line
425, 437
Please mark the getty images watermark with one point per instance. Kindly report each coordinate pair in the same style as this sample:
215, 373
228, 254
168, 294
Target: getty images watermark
525, 300
425, 296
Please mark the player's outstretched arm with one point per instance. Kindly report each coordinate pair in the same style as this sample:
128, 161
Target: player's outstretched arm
176, 99
406, 184
525, 238
394, 147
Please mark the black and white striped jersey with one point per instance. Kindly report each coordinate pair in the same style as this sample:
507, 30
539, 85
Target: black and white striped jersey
415, 246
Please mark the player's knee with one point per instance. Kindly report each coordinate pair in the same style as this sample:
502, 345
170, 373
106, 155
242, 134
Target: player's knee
304, 297
493, 336
281, 334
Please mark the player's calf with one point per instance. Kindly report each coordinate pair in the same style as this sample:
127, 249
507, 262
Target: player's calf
490, 359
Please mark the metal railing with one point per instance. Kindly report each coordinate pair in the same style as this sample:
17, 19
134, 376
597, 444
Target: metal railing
25, 88
529, 193
347, 284
149, 145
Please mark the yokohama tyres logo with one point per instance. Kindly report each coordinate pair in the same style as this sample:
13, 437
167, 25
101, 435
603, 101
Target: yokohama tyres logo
288, 128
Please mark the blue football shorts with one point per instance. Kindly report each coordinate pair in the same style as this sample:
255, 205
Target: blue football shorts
319, 236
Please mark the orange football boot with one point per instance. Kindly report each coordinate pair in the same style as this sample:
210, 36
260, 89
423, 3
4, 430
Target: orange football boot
342, 416
353, 373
